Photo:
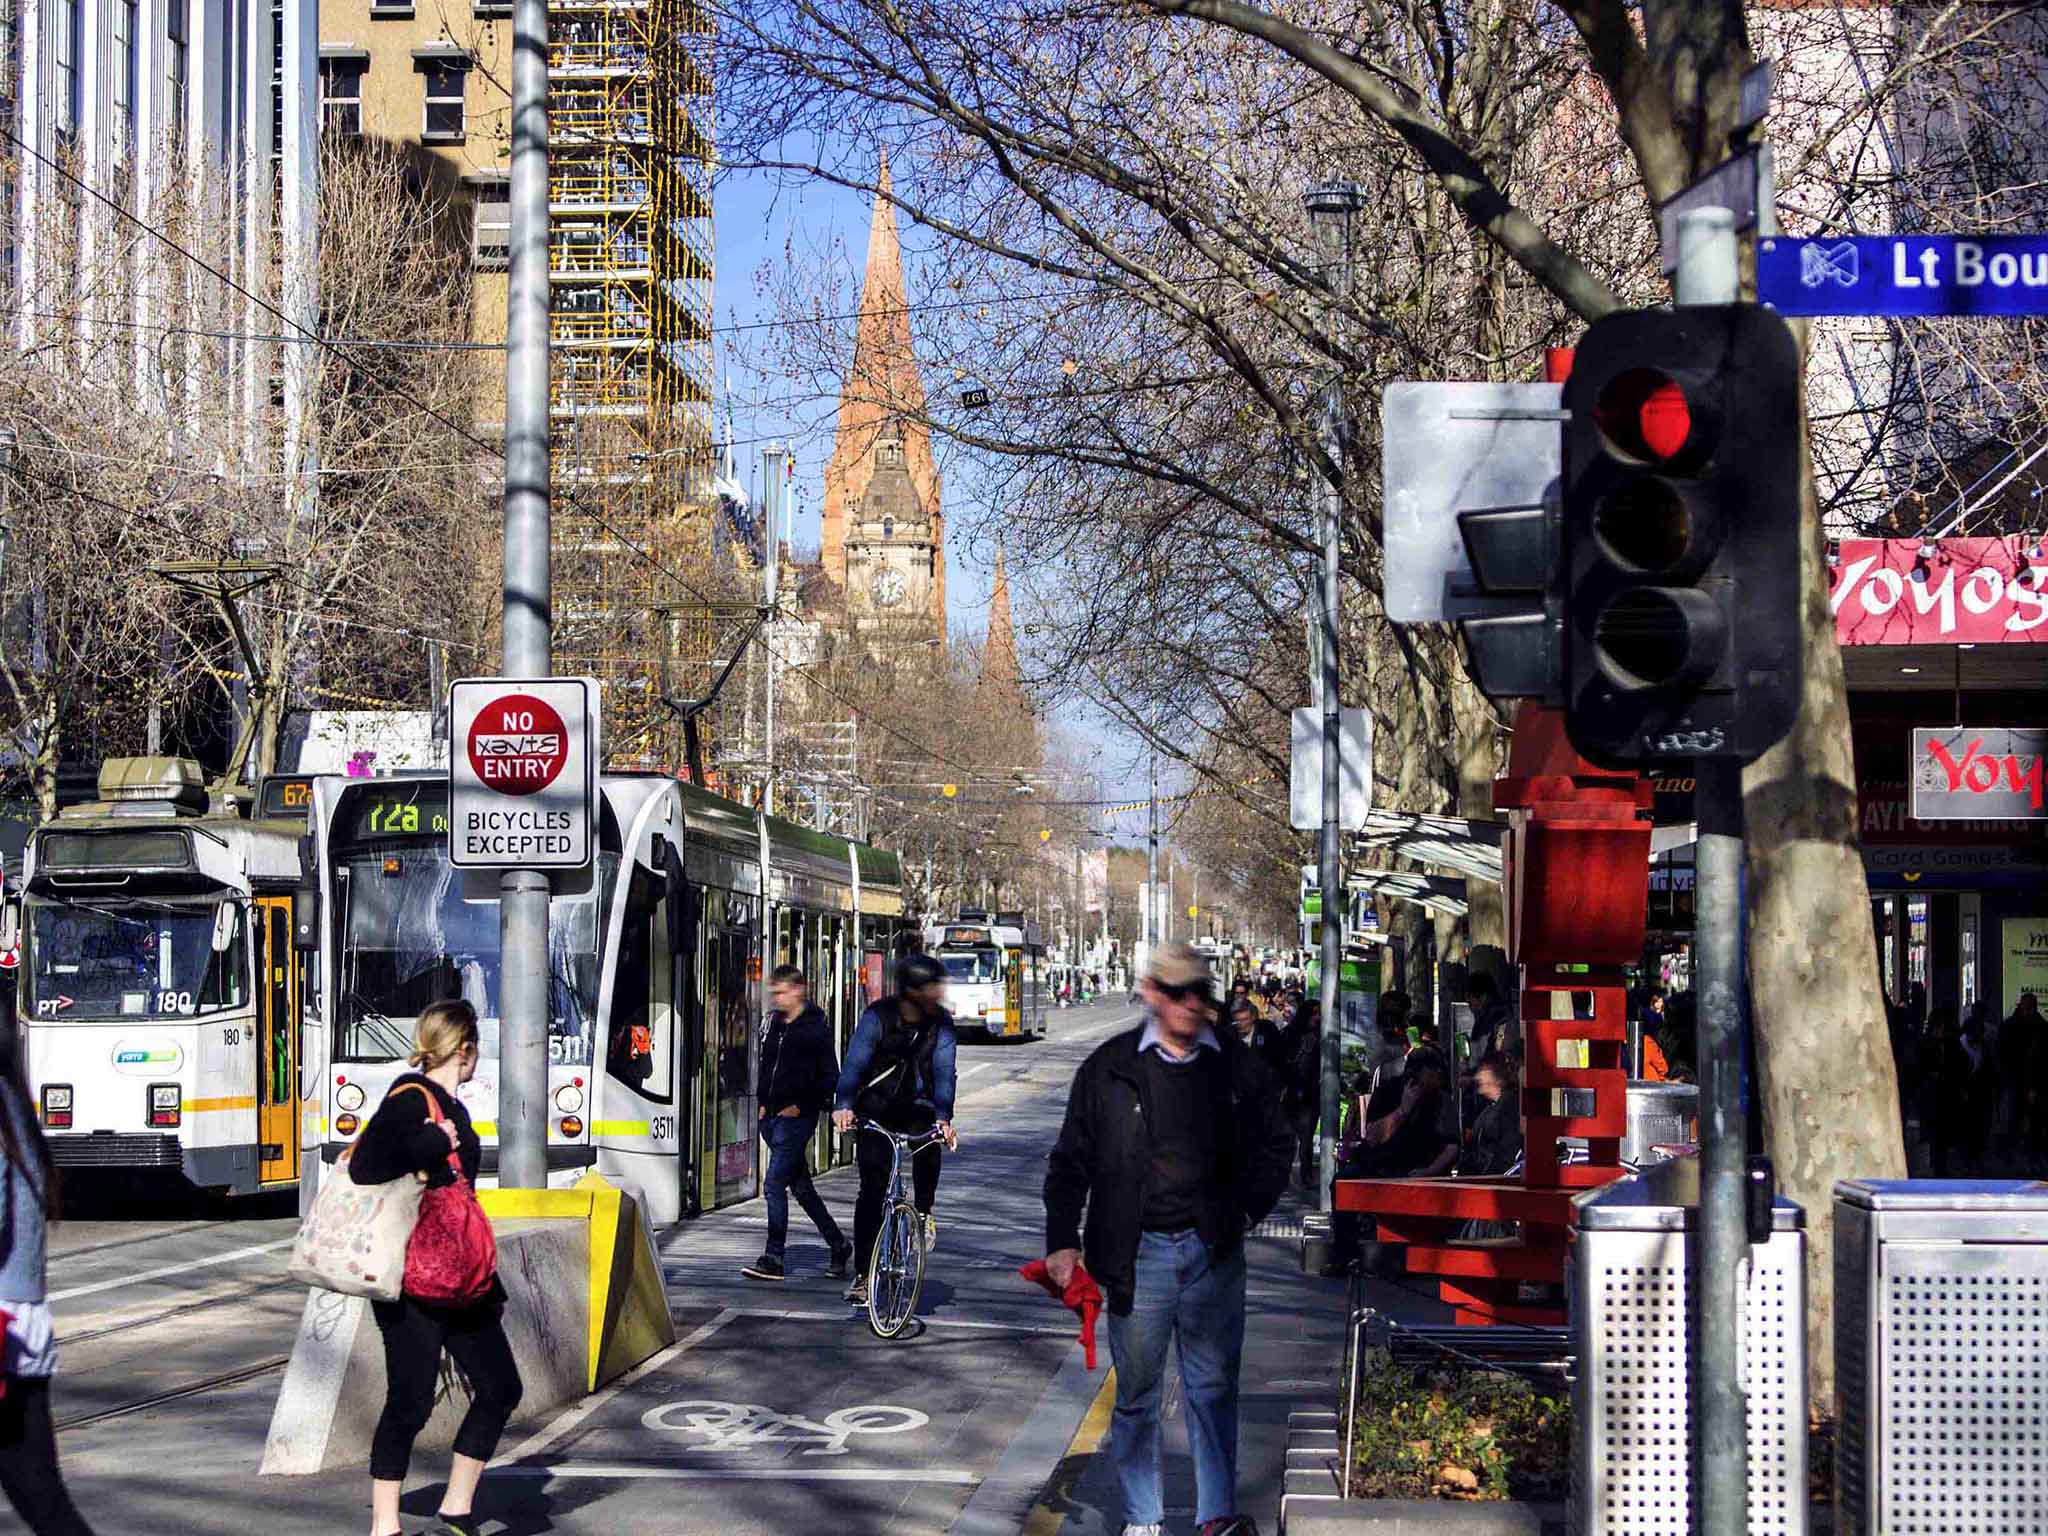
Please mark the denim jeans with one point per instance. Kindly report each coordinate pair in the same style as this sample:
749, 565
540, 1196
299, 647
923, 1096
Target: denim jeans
788, 1138
1183, 1296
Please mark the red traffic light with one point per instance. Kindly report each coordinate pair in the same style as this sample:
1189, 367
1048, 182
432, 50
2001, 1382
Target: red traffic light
1644, 415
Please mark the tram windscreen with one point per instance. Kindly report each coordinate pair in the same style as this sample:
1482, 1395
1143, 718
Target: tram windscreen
971, 965
410, 940
133, 959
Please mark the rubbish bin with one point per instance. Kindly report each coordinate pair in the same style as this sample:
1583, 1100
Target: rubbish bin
1660, 1114
1941, 1352
1633, 1323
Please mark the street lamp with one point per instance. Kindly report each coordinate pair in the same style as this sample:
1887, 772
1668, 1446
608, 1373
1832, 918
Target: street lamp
1332, 208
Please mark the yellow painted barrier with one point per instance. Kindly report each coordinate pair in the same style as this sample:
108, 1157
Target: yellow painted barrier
628, 1304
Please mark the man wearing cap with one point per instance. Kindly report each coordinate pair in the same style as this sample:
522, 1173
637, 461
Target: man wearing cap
1175, 1144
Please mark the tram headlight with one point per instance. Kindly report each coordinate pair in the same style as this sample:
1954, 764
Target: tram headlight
348, 1096
572, 1126
346, 1125
568, 1100
166, 1105
57, 1106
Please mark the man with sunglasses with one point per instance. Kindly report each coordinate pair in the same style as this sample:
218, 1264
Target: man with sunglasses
1174, 1145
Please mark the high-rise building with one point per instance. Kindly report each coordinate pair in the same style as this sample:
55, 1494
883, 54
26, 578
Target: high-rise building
630, 267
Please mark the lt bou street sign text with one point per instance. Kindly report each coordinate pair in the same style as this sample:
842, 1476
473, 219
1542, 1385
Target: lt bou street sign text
1905, 275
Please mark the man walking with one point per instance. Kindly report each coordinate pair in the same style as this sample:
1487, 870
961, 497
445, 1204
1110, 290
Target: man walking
798, 1071
1175, 1143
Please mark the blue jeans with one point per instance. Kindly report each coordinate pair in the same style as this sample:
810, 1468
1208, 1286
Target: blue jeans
1184, 1296
788, 1138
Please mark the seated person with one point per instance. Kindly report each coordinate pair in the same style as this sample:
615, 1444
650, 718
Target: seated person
1409, 1139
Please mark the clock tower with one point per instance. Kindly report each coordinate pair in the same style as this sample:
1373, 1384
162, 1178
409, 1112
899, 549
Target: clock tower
891, 551
884, 527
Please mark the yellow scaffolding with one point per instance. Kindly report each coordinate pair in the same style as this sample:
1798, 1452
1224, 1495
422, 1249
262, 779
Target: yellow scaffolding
630, 265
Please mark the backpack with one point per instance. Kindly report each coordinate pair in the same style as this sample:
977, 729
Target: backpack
902, 1059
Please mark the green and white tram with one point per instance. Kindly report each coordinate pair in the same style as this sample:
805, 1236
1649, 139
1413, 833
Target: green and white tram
656, 995
160, 991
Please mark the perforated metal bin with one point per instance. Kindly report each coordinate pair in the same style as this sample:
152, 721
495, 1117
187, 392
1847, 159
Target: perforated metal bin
1941, 1357
1633, 1326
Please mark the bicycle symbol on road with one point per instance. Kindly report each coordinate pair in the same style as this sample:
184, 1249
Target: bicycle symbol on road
747, 1426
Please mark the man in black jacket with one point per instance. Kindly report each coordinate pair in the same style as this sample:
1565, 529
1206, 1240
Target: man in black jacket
798, 1071
1175, 1143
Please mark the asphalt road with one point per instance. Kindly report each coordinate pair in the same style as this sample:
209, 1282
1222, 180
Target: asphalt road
777, 1410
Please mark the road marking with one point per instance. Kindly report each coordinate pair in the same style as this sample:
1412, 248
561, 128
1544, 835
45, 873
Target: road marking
546, 1437
979, 1066
1045, 1520
167, 1270
742, 1426
1065, 1330
954, 1475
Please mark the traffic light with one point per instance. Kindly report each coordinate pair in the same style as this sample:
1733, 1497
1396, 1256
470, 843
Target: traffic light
1680, 535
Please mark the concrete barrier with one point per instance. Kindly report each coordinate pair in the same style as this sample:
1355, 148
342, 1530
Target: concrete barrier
584, 1304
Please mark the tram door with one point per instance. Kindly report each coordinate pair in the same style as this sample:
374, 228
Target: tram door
277, 1067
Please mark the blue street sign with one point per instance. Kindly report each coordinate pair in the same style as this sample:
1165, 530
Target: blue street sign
1905, 275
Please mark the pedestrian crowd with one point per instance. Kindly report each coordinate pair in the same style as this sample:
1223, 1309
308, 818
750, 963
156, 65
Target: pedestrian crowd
1973, 1087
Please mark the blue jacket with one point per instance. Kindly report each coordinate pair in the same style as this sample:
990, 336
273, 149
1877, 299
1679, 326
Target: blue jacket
934, 1091
22, 1217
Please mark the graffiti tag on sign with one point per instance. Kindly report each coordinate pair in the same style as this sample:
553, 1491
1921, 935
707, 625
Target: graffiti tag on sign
718, 1426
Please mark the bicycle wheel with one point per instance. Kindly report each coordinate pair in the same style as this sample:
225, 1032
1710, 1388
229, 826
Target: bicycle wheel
896, 1274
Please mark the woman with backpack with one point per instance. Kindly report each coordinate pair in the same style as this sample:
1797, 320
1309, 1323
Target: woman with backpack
899, 1072
422, 1129
28, 1345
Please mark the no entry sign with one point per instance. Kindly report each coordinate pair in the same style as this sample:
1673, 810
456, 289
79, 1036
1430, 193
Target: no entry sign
522, 756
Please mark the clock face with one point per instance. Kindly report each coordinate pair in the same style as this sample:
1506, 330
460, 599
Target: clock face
889, 588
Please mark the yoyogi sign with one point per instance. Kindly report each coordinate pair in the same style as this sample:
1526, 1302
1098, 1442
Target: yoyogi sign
522, 757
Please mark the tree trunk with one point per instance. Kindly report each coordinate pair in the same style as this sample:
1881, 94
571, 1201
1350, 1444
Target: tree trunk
49, 748
1826, 1082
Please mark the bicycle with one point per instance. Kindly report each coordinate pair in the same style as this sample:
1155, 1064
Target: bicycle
896, 1268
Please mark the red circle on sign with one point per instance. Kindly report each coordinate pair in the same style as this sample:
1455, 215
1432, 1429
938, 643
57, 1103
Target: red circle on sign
518, 744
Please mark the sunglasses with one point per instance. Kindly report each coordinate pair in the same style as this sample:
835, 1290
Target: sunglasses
1179, 994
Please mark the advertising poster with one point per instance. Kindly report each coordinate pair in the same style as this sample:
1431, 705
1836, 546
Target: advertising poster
2026, 959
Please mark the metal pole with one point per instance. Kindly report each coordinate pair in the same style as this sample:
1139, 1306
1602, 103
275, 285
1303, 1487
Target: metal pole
523, 893
1151, 872
1707, 275
772, 473
1330, 874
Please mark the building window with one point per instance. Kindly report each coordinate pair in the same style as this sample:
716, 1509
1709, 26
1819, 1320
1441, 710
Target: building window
68, 97
444, 79
492, 250
178, 64
124, 61
341, 96
390, 9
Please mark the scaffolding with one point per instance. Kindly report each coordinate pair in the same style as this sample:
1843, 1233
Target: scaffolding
629, 266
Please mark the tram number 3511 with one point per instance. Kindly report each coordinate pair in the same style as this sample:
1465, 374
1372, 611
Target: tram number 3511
662, 1127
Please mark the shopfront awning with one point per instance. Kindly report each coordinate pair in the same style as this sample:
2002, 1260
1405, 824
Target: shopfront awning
1433, 893
1468, 848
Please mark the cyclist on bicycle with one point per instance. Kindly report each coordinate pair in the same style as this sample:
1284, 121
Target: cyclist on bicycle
899, 1072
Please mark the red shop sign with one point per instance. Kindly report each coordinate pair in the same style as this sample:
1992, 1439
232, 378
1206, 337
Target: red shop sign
1949, 592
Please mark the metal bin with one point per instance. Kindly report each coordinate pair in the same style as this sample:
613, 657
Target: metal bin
1632, 1331
1941, 1357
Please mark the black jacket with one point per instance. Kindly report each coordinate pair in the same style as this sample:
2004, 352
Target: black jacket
798, 1063
1103, 1150
402, 1138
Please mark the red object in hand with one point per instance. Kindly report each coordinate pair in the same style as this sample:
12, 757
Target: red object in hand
1082, 1296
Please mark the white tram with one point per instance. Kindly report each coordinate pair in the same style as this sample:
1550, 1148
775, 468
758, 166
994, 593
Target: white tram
160, 992
995, 974
655, 973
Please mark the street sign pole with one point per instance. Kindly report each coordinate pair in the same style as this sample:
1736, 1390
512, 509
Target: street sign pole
528, 647
1708, 274
1330, 505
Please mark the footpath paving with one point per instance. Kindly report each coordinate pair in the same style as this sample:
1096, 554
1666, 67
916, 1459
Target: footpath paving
777, 1410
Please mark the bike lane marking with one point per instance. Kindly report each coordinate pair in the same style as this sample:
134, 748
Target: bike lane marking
575, 1416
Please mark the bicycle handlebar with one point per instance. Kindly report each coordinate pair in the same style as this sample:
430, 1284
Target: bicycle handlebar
916, 1143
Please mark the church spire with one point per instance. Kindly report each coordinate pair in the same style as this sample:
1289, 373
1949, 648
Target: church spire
883, 389
999, 669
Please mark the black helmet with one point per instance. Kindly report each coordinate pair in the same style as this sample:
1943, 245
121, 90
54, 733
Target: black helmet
914, 971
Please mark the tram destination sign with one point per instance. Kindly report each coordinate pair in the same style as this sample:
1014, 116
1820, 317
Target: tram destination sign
522, 759
1904, 275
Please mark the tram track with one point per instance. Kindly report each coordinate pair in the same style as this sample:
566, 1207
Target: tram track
66, 1255
185, 1309
174, 1394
